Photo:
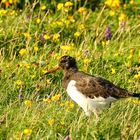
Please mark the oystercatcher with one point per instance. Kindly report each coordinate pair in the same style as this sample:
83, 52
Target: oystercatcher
90, 92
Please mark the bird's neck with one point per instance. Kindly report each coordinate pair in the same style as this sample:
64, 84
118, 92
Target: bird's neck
67, 76
70, 71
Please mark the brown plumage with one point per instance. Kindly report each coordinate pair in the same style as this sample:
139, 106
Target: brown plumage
90, 92
89, 85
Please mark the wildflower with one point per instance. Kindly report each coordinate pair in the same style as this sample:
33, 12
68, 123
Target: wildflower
82, 10
66, 48
56, 97
108, 34
60, 6
111, 13
136, 76
46, 37
51, 121
48, 100
129, 57
81, 26
113, 71
87, 61
36, 49
129, 81
69, 104
28, 103
27, 131
3, 12
19, 82
23, 52
26, 35
135, 100
68, 4
12, 12
38, 20
122, 17
77, 34
56, 37
71, 19
43, 7
112, 3
131, 2
62, 124
42, 38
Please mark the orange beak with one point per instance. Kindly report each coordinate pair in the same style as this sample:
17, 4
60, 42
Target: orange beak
53, 70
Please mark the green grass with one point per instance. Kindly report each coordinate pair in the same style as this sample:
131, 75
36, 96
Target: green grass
94, 54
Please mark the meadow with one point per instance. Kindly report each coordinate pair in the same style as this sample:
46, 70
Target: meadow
105, 41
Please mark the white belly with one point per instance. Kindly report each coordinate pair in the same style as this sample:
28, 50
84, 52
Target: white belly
87, 103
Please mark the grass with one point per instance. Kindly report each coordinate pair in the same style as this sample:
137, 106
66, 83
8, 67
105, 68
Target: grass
34, 106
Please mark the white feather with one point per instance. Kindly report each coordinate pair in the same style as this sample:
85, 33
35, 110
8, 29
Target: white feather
89, 105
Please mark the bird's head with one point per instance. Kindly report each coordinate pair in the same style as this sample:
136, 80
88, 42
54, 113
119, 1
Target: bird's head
65, 62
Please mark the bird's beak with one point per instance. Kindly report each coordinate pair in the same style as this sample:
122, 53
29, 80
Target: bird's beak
53, 70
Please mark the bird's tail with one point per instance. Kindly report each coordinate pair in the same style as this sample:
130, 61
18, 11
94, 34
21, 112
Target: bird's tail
137, 95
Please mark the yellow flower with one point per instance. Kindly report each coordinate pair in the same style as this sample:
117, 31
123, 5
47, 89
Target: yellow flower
135, 100
71, 19
68, 4
28, 103
87, 61
62, 124
3, 1
36, 48
82, 10
129, 81
69, 104
60, 6
81, 26
56, 97
38, 20
112, 3
27, 131
27, 65
51, 121
122, 17
19, 82
43, 7
26, 35
66, 48
111, 13
136, 76
23, 52
3, 12
77, 34
48, 100
12, 12
129, 57
131, 2
56, 36
46, 37
113, 71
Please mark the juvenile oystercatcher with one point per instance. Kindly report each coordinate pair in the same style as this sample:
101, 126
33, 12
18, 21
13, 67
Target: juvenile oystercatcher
90, 92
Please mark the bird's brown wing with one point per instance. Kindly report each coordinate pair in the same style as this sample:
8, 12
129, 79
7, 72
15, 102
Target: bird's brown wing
93, 86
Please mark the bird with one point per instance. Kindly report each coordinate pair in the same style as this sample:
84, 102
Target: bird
91, 93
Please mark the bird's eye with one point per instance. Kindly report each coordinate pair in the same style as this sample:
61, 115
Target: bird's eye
63, 61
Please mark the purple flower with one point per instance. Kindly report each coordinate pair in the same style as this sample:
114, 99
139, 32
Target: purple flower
108, 34
67, 138
42, 38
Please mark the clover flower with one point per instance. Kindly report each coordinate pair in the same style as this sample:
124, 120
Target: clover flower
108, 34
